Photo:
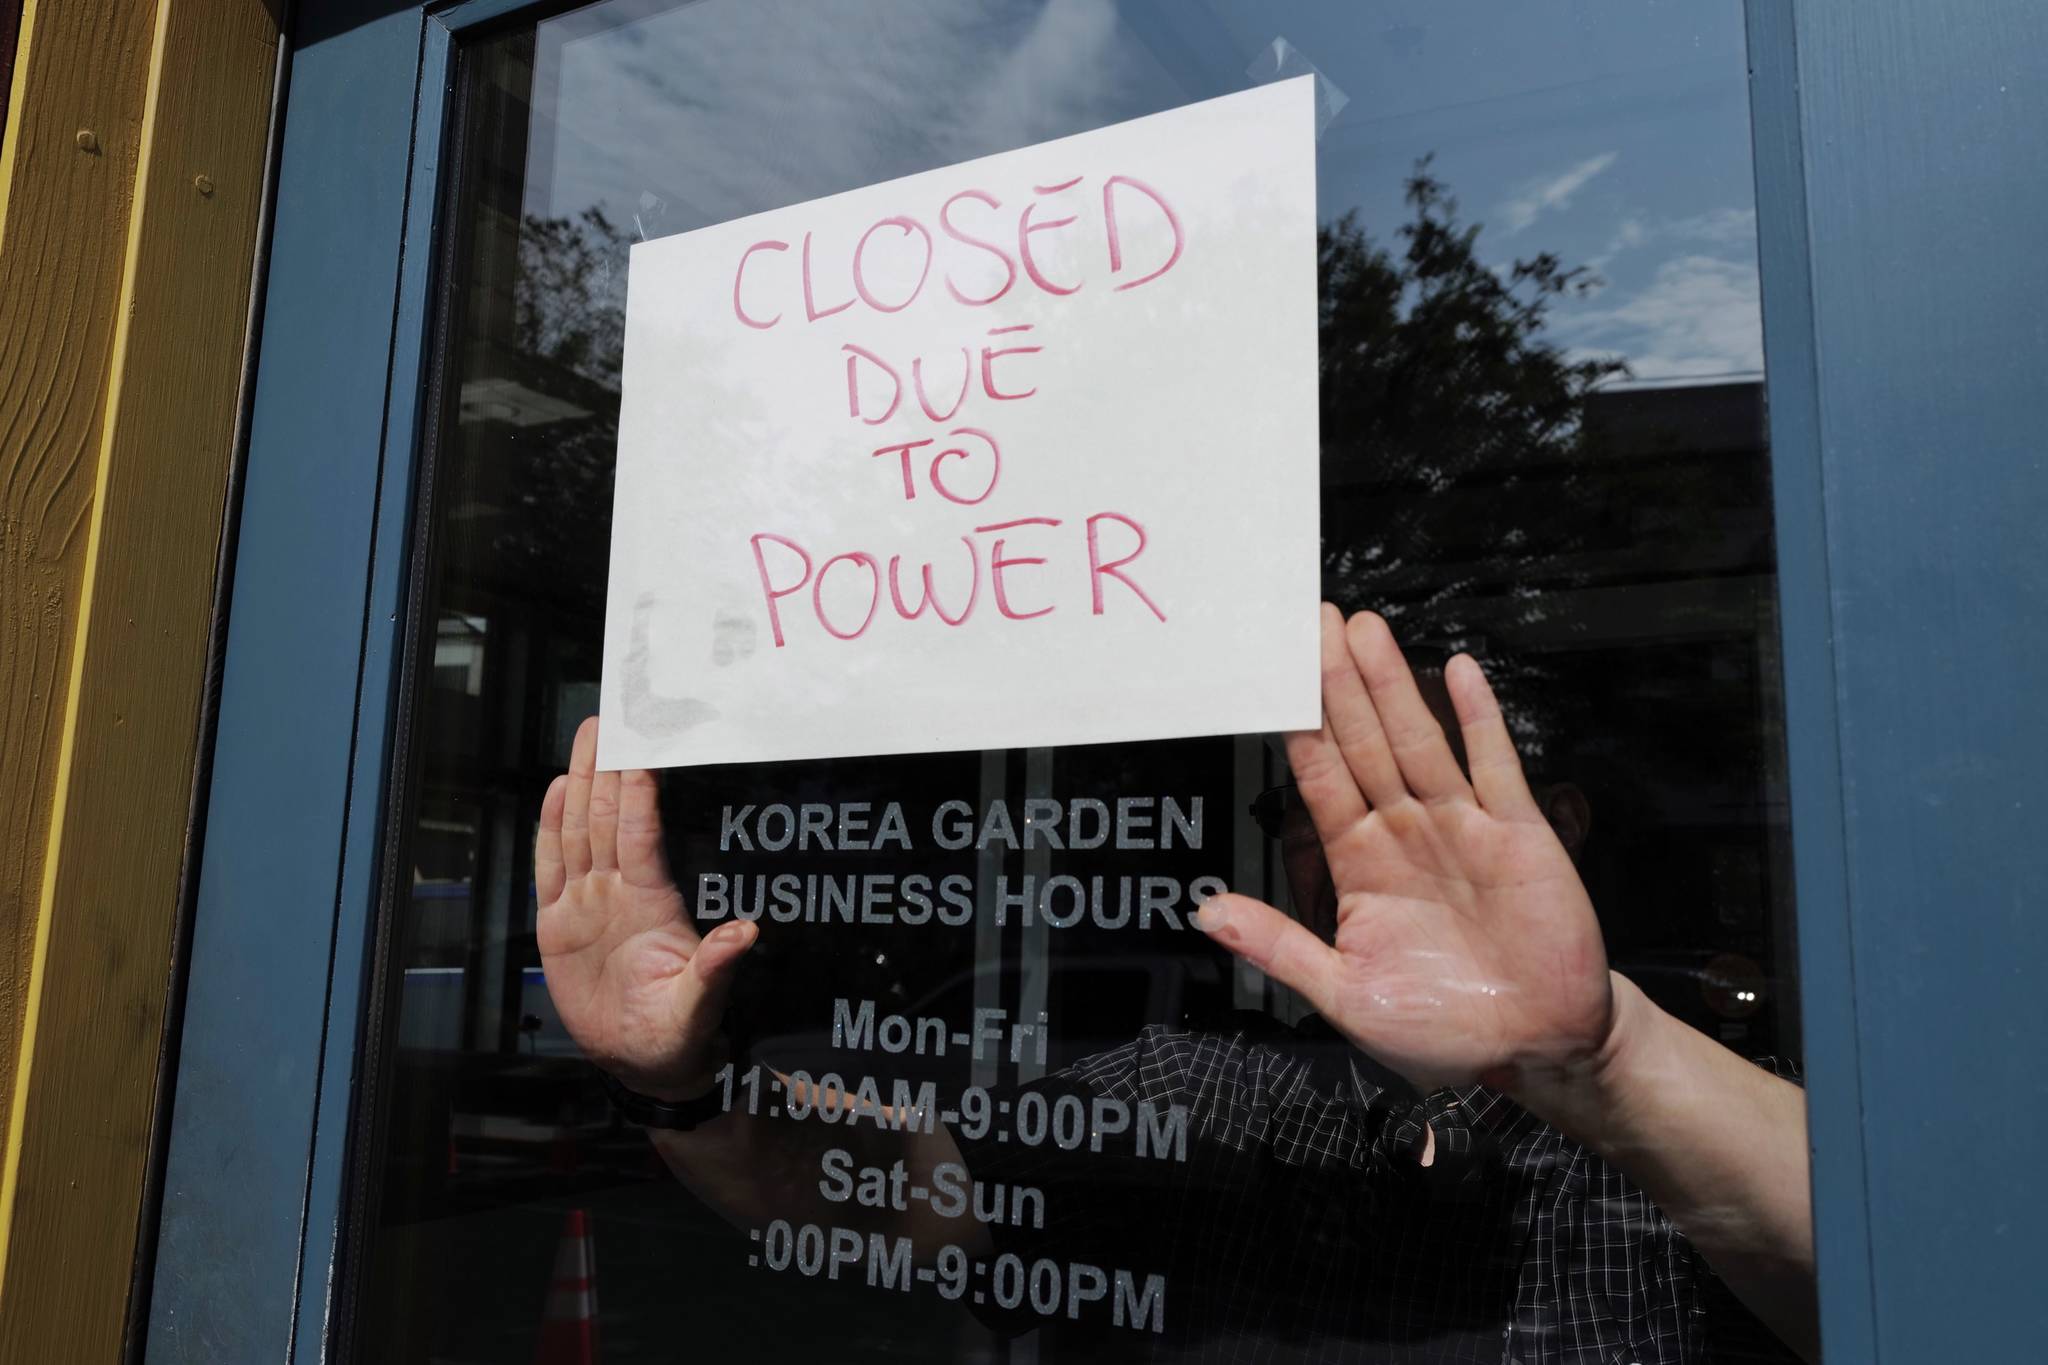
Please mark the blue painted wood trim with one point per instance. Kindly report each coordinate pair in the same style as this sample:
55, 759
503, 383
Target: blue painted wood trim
1921, 125
1909, 501
282, 812
467, 14
1827, 980
387, 621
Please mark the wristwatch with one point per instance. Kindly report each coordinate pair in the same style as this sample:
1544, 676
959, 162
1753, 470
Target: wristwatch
649, 1112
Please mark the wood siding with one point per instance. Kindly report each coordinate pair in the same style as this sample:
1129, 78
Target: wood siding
130, 195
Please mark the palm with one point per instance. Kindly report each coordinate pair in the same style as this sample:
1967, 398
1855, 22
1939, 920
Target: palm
612, 954
636, 987
1464, 942
1466, 946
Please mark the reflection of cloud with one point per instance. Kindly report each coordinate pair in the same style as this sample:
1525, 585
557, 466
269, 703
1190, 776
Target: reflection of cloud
727, 110
1630, 235
1721, 227
1537, 197
1062, 63
1698, 316
1734, 228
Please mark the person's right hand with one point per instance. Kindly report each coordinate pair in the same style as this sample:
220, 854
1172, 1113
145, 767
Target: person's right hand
1466, 946
637, 988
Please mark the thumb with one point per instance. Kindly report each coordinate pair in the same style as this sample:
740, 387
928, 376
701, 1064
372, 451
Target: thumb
1271, 941
705, 982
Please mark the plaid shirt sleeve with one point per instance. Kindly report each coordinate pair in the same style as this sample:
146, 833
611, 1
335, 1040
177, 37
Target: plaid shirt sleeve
1301, 1226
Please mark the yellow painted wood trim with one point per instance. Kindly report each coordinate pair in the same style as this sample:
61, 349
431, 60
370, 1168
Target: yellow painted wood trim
82, 1093
16, 80
68, 731
81, 73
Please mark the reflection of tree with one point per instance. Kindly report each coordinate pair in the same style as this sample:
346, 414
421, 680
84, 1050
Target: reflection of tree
569, 328
569, 306
1452, 428
1433, 361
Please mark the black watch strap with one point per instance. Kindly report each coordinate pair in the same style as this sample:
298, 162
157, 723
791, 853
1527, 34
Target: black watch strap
649, 1112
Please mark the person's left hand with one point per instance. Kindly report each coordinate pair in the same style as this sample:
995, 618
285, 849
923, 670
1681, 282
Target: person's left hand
1466, 946
638, 989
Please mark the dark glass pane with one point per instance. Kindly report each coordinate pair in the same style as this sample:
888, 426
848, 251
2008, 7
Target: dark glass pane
1543, 443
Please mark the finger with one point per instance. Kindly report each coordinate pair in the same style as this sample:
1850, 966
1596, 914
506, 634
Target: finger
1278, 946
704, 984
1497, 776
1427, 764
604, 822
643, 861
1326, 785
548, 876
576, 802
1352, 722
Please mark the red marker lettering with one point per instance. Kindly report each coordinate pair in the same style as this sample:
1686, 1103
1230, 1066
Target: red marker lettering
860, 284
811, 309
874, 594
990, 357
995, 472
917, 383
997, 563
1116, 253
739, 273
946, 226
909, 485
854, 353
768, 584
931, 598
1098, 569
1025, 227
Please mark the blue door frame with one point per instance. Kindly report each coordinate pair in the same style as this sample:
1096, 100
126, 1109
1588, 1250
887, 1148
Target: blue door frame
1899, 225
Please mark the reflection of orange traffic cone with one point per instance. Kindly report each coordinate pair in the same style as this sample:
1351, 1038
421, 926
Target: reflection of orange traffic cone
568, 1332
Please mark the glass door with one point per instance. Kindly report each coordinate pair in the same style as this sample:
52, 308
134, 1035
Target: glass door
1543, 445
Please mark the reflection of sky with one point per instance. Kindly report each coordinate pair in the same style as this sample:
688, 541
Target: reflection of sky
1614, 133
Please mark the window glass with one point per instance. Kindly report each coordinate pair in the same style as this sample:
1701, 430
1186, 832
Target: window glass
1543, 444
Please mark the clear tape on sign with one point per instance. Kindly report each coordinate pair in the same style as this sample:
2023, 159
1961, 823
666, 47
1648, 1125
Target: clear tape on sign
653, 208
1281, 60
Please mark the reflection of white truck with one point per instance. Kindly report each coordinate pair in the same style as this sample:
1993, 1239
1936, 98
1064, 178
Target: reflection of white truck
430, 1015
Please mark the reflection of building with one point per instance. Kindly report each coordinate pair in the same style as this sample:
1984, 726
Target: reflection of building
1628, 589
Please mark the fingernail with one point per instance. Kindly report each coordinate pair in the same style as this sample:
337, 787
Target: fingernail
730, 933
1211, 917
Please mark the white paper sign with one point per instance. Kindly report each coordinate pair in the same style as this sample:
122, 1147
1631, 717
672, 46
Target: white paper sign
1018, 452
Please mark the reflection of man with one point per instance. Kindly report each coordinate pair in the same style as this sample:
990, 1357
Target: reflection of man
1327, 1210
